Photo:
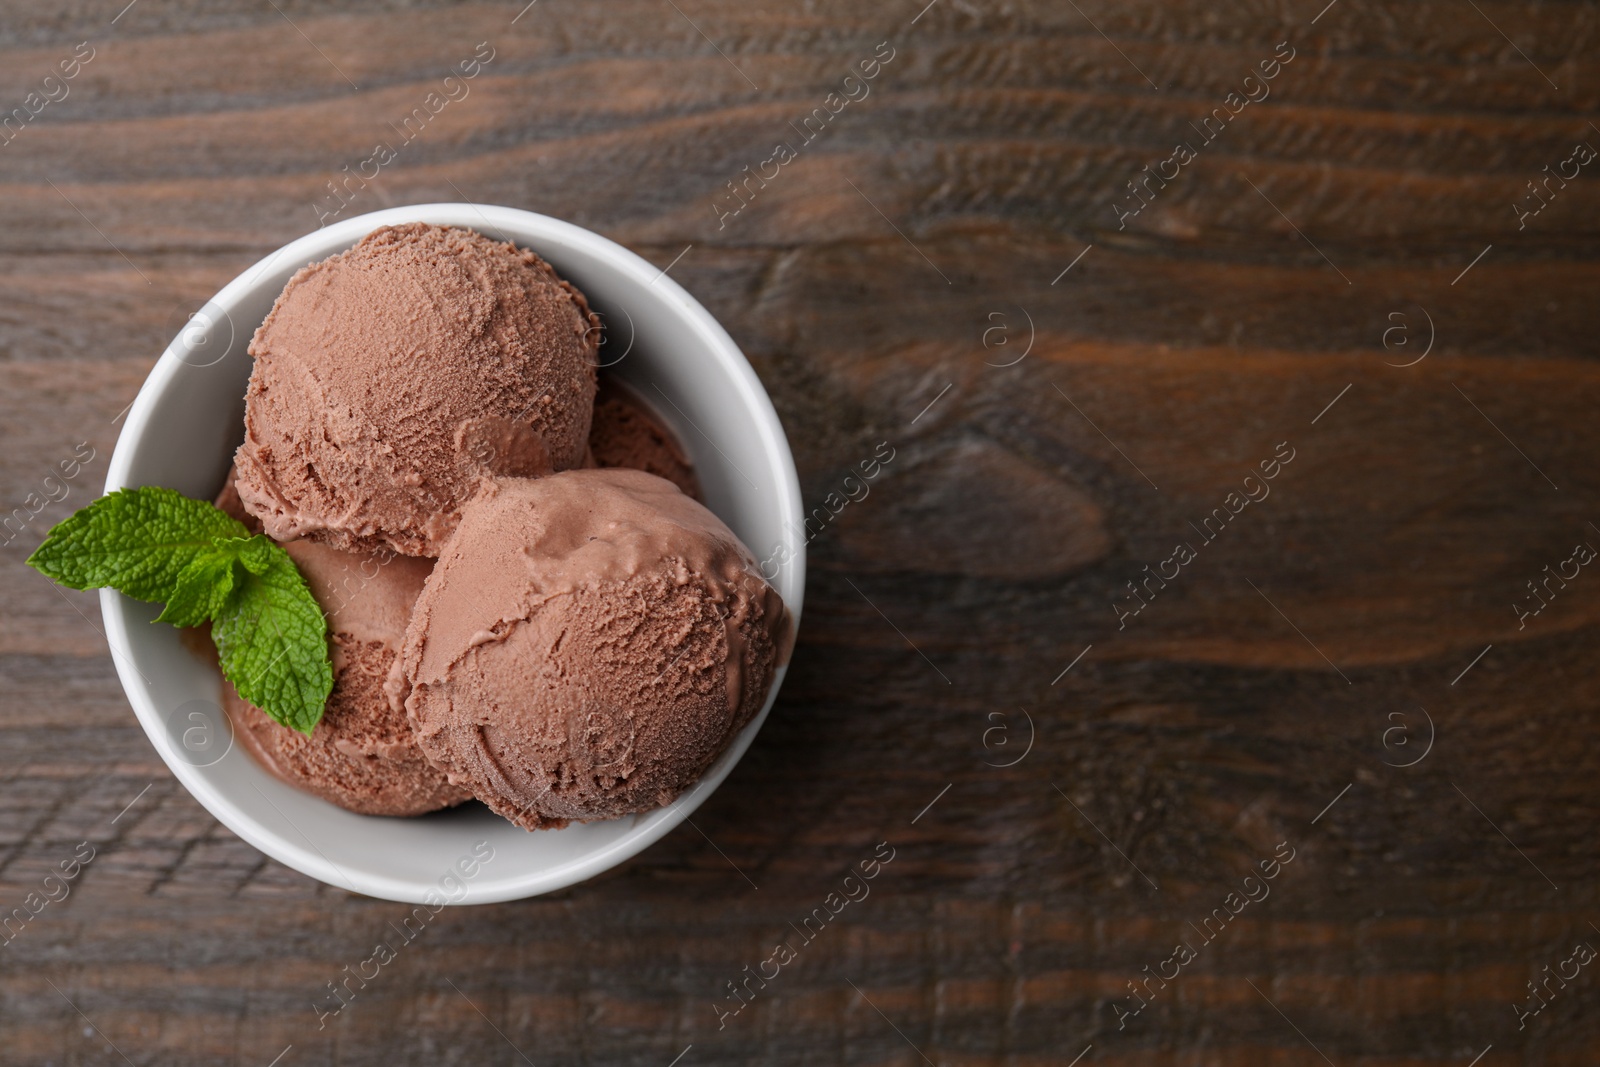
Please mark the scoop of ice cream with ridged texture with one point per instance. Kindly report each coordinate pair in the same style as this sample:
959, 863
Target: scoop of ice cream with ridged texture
363, 755
627, 432
392, 379
587, 646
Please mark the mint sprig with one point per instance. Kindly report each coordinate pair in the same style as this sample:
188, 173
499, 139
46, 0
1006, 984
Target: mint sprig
158, 545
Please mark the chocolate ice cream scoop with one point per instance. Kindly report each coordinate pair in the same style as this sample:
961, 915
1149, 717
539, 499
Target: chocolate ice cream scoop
627, 433
362, 755
587, 645
392, 379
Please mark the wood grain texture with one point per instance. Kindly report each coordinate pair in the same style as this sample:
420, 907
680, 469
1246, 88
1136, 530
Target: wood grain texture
905, 281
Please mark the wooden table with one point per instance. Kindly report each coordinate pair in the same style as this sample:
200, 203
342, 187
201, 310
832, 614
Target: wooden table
1348, 269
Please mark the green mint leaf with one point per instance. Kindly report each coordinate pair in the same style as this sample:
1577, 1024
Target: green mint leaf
156, 544
137, 541
272, 639
205, 585
202, 589
254, 552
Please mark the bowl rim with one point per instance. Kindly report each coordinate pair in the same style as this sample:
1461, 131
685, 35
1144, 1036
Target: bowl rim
526, 229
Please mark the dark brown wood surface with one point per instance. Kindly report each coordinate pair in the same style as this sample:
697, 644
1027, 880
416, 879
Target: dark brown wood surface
906, 280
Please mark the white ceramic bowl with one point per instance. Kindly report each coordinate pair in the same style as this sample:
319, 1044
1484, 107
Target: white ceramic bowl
181, 433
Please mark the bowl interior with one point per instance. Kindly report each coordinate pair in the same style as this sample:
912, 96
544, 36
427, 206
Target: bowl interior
181, 433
